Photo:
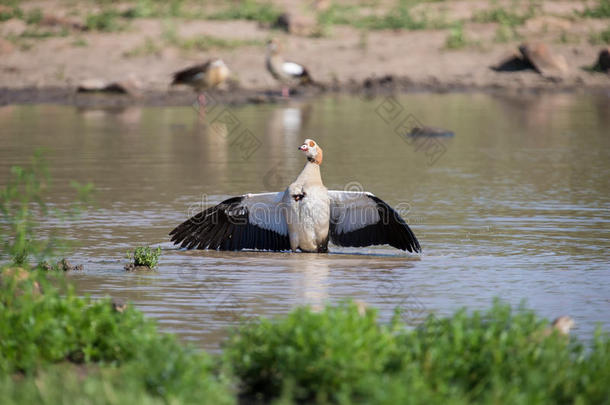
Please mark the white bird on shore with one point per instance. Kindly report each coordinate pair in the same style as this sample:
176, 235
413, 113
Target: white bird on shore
287, 73
305, 217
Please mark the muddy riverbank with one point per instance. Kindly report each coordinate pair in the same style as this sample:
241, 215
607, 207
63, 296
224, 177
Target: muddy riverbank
48, 48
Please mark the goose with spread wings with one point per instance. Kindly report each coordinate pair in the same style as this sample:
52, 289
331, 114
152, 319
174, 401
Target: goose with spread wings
304, 217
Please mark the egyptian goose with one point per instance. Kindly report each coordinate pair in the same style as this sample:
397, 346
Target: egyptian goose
287, 73
303, 217
201, 77
205, 76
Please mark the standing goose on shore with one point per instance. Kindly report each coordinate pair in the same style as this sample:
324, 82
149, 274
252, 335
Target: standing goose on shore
287, 73
305, 217
201, 77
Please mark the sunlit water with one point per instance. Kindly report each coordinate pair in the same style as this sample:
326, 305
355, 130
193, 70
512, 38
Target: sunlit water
516, 205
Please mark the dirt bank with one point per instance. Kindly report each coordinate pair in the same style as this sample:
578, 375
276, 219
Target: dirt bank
44, 62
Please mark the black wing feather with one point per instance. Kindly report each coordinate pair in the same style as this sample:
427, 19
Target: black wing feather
186, 76
226, 226
391, 229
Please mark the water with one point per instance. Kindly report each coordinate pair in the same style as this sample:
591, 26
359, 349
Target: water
516, 205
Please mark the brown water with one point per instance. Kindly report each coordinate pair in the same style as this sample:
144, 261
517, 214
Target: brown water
516, 205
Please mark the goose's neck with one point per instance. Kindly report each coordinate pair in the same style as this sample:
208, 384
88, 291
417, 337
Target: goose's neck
310, 173
274, 58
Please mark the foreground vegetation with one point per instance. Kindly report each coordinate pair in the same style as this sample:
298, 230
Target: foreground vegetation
58, 348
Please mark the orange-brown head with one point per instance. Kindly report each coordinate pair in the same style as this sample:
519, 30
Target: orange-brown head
312, 150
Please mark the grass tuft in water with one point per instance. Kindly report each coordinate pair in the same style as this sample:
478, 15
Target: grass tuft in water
145, 256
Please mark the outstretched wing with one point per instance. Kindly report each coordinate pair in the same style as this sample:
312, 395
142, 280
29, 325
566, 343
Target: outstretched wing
251, 221
361, 219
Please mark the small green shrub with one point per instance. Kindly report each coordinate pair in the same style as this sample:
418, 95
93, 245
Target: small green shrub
317, 355
338, 355
145, 256
39, 330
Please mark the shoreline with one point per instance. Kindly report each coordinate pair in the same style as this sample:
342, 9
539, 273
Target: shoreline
371, 87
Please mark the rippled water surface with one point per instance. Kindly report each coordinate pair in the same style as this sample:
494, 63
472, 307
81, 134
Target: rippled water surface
516, 205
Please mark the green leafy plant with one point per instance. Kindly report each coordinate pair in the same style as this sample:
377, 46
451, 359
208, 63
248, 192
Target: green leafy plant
145, 256
57, 327
342, 355
316, 355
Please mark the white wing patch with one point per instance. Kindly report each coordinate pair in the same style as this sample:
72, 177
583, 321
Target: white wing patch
267, 211
352, 210
292, 69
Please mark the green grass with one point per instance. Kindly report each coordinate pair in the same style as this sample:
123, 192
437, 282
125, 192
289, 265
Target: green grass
203, 42
456, 38
148, 47
164, 9
208, 42
251, 10
106, 21
506, 16
600, 10
12, 12
398, 17
506, 33
602, 37
80, 42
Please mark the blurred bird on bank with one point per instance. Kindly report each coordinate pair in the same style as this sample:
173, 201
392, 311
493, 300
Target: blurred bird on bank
208, 75
287, 73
